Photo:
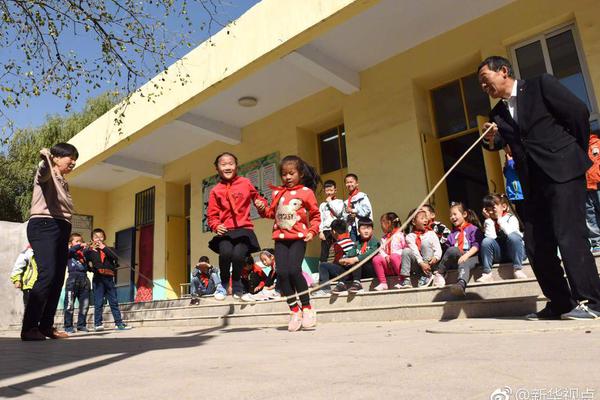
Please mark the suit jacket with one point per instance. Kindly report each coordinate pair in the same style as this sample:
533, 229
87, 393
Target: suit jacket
553, 130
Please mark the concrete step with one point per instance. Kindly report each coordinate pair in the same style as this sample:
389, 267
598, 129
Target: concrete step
503, 297
480, 308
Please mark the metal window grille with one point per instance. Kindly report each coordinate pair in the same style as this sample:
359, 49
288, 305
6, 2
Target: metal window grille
144, 207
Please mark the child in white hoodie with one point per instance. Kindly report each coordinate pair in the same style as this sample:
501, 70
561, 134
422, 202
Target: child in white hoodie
503, 240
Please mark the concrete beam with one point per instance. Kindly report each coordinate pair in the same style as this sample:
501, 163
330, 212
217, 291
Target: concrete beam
147, 168
218, 130
325, 69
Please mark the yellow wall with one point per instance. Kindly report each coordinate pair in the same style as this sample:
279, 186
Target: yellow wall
383, 121
91, 202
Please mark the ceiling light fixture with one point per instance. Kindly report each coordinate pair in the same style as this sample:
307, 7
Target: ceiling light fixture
247, 101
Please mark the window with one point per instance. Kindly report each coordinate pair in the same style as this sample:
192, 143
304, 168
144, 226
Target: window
557, 53
455, 109
144, 207
332, 147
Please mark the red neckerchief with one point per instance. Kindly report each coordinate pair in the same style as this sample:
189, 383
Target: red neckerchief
101, 253
230, 198
204, 278
81, 256
460, 241
351, 196
344, 235
496, 224
418, 234
388, 237
363, 248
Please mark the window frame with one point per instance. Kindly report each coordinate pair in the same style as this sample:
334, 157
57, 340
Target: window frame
542, 38
455, 135
341, 131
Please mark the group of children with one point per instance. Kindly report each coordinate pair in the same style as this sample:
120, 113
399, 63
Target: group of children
426, 250
83, 257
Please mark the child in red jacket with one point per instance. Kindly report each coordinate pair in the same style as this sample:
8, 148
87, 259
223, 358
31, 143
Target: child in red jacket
228, 215
297, 220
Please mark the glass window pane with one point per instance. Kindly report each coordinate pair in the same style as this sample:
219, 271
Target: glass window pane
330, 151
530, 60
565, 64
478, 102
448, 110
468, 182
343, 142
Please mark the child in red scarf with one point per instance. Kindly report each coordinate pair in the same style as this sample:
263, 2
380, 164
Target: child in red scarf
463, 242
228, 215
297, 218
424, 250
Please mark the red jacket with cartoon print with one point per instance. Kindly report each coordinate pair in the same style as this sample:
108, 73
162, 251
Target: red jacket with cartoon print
295, 211
229, 204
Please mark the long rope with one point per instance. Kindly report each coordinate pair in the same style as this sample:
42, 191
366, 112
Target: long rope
370, 256
402, 227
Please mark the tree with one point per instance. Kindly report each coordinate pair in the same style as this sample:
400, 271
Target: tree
133, 39
18, 165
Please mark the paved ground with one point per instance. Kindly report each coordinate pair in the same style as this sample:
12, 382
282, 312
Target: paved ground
461, 359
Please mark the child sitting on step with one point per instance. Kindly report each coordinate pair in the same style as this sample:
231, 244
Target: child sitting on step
438, 227
365, 246
271, 289
206, 281
253, 279
464, 243
387, 262
424, 250
344, 248
503, 240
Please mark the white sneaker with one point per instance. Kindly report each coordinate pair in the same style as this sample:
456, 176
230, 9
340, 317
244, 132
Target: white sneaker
519, 274
438, 280
247, 297
485, 277
219, 296
309, 318
295, 321
381, 287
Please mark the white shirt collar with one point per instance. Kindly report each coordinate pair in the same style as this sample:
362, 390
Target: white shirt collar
513, 93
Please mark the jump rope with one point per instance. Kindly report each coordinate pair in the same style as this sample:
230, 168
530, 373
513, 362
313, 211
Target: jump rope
360, 263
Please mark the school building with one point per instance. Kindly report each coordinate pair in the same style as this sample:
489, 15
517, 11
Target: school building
385, 89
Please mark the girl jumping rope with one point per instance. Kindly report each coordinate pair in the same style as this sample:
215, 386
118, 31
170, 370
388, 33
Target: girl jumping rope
296, 213
228, 215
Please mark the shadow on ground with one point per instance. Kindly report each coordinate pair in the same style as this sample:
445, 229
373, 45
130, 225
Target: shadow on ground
20, 358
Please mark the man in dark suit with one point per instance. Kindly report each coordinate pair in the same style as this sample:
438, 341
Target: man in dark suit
547, 128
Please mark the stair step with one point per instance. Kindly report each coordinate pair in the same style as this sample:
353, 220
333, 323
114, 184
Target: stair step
504, 297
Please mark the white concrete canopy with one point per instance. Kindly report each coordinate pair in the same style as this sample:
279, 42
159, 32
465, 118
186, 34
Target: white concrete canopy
324, 68
333, 59
218, 130
146, 168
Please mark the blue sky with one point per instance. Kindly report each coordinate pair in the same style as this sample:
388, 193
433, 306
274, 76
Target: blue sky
46, 104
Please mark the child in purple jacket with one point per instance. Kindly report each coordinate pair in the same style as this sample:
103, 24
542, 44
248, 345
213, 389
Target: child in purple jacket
463, 242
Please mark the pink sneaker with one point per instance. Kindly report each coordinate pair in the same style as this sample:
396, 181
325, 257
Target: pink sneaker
438, 280
295, 321
380, 287
309, 318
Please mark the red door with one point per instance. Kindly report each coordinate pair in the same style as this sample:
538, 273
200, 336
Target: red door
146, 250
